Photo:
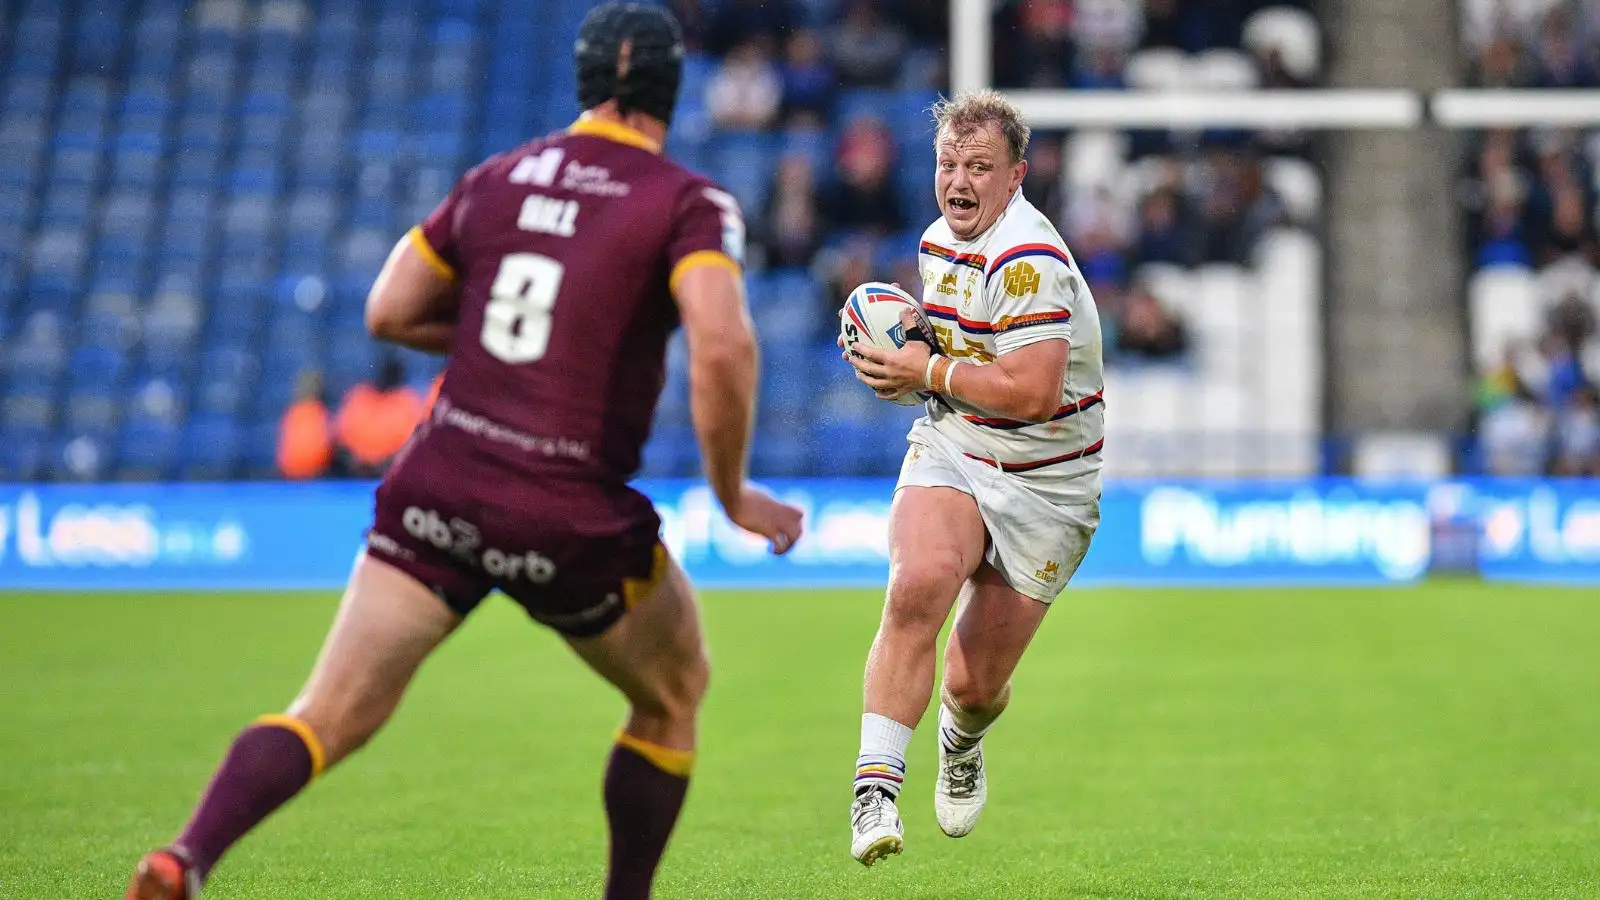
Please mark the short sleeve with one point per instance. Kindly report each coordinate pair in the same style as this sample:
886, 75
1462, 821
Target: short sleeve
707, 229
1031, 291
437, 238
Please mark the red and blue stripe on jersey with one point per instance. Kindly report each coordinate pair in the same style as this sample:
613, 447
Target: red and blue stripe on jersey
951, 314
1066, 411
1022, 251
973, 260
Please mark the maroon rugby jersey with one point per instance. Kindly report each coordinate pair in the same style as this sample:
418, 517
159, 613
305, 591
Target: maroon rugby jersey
565, 250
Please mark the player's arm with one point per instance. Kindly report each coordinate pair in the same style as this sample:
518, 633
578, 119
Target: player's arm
723, 366
1029, 296
413, 301
1024, 384
723, 361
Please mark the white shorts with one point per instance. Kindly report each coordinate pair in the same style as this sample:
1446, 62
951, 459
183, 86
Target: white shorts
1034, 543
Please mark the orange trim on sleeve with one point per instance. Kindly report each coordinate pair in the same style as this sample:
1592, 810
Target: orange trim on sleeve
668, 760
701, 258
419, 242
319, 756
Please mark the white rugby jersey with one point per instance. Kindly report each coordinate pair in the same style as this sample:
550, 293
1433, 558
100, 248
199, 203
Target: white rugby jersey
1014, 285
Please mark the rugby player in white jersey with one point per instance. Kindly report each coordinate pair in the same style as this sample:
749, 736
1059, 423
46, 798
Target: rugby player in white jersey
999, 494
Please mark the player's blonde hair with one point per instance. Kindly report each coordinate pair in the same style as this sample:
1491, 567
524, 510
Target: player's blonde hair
972, 111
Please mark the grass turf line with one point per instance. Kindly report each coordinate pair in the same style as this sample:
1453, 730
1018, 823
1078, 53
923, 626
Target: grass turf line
1433, 741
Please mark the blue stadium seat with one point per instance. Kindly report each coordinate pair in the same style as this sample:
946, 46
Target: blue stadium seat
23, 455
211, 449
780, 450
28, 94
147, 449
98, 365
91, 412
744, 162
260, 450
670, 453
27, 410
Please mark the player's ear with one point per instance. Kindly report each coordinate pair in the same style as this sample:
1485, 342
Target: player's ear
1019, 172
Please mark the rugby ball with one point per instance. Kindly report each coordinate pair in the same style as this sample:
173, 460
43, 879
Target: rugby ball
872, 314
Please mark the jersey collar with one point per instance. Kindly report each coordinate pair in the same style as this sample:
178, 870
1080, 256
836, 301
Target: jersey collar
982, 239
613, 131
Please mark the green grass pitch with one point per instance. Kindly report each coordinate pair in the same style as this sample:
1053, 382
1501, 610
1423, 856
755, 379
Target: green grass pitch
1436, 741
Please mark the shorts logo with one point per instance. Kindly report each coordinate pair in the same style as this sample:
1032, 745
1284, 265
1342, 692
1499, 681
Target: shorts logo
461, 538
1021, 278
1050, 572
947, 284
388, 546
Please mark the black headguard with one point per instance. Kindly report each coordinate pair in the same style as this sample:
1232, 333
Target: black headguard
646, 77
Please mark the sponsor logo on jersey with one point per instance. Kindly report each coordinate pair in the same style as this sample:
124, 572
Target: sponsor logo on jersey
594, 180
1021, 279
548, 215
957, 345
444, 413
947, 284
1050, 572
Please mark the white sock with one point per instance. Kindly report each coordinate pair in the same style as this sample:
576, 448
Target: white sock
952, 736
882, 763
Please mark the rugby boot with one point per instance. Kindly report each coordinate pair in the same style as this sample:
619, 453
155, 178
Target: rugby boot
960, 790
164, 875
875, 830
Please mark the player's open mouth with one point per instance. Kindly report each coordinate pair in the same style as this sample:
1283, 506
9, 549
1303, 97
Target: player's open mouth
961, 203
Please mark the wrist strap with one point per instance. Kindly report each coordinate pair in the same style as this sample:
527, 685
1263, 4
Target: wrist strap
939, 375
950, 379
927, 374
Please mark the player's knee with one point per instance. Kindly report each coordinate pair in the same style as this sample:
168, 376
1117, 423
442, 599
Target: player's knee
969, 691
920, 594
678, 692
693, 678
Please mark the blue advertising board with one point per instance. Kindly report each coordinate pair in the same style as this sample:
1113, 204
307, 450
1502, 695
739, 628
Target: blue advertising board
1331, 531
1539, 530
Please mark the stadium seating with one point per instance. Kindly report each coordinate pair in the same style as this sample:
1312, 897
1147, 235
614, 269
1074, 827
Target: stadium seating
198, 195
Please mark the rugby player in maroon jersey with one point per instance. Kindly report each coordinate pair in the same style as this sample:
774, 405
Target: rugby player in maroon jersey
552, 276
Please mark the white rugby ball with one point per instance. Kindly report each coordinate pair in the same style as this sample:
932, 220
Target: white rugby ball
872, 314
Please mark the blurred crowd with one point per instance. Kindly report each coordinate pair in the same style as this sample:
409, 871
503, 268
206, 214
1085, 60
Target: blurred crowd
1530, 203
1539, 413
1089, 44
1532, 43
846, 215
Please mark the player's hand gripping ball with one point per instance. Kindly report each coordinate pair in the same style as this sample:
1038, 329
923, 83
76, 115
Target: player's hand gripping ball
873, 314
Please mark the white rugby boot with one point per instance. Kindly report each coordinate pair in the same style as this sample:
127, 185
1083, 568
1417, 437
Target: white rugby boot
875, 830
960, 790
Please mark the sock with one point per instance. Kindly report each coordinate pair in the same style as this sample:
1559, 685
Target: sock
644, 790
882, 763
268, 763
952, 737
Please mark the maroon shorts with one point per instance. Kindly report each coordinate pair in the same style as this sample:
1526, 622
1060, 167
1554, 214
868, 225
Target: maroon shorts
574, 554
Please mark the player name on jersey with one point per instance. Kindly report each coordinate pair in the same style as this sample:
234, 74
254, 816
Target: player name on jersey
548, 215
